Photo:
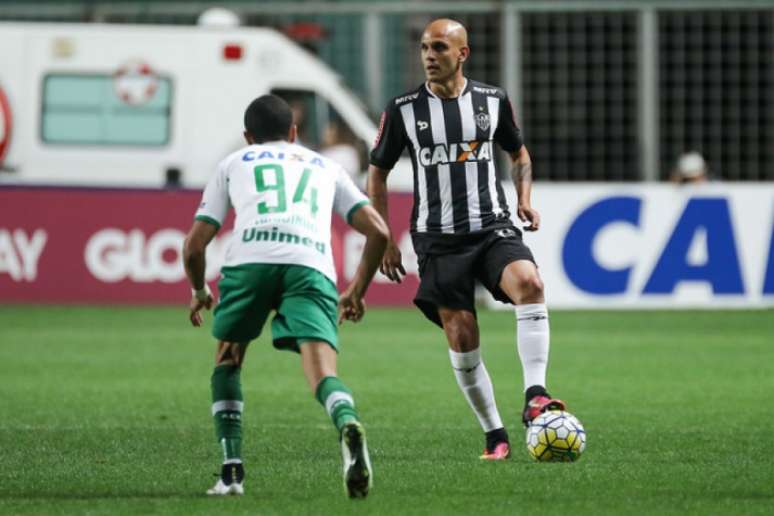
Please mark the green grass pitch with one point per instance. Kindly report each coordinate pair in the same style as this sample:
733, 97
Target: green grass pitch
106, 411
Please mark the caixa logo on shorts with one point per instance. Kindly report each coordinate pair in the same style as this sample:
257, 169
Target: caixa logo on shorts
443, 154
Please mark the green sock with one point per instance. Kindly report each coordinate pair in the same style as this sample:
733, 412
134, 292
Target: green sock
227, 410
337, 400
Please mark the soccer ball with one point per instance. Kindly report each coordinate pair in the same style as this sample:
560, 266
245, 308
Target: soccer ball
556, 436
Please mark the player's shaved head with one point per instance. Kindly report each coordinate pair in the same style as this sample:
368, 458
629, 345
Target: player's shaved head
444, 50
446, 28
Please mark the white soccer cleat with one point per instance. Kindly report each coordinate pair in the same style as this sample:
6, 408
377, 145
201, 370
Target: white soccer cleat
221, 489
232, 475
358, 476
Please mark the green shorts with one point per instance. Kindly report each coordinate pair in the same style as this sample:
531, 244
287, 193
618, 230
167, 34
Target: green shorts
305, 301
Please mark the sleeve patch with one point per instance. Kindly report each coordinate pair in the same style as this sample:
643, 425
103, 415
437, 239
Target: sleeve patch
381, 129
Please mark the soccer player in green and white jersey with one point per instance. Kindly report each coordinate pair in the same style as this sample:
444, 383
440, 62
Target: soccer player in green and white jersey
279, 259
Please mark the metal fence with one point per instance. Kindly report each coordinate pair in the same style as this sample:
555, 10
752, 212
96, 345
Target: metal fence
716, 85
579, 94
604, 90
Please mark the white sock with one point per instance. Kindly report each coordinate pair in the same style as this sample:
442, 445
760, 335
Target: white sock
476, 385
532, 336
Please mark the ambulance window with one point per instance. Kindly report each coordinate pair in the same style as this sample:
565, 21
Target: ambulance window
322, 128
94, 110
309, 112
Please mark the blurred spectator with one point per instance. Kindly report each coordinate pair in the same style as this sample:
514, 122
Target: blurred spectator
690, 168
299, 118
173, 177
340, 145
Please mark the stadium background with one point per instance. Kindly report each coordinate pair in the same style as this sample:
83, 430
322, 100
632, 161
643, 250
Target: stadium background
610, 95
608, 90
104, 406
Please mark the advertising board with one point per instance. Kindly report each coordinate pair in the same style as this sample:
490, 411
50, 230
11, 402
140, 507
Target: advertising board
599, 246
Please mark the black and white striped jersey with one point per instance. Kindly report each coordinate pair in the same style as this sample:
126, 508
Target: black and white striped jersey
450, 142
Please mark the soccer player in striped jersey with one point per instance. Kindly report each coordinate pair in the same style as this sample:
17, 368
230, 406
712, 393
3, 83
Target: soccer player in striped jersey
279, 260
460, 225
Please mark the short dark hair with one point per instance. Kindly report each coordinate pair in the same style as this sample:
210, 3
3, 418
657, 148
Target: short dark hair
268, 118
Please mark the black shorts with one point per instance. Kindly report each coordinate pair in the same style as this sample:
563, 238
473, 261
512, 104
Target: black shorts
448, 272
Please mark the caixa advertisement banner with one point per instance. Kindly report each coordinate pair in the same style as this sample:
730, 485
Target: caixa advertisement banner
655, 246
599, 246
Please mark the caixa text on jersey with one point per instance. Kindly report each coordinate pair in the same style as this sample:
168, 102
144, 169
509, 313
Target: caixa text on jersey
441, 153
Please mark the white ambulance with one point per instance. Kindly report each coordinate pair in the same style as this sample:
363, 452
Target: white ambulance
144, 105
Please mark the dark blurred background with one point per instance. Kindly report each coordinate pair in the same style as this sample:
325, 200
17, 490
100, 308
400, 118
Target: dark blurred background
605, 90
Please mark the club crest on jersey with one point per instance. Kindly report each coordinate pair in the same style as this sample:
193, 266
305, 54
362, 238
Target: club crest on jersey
505, 233
482, 121
442, 153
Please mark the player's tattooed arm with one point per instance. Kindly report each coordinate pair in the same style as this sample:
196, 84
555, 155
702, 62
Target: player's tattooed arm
521, 168
521, 173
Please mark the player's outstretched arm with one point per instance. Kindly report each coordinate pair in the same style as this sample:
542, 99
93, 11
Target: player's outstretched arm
392, 263
521, 173
194, 263
368, 222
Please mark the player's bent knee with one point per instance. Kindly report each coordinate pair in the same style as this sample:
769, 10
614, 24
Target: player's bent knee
523, 285
535, 285
531, 289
